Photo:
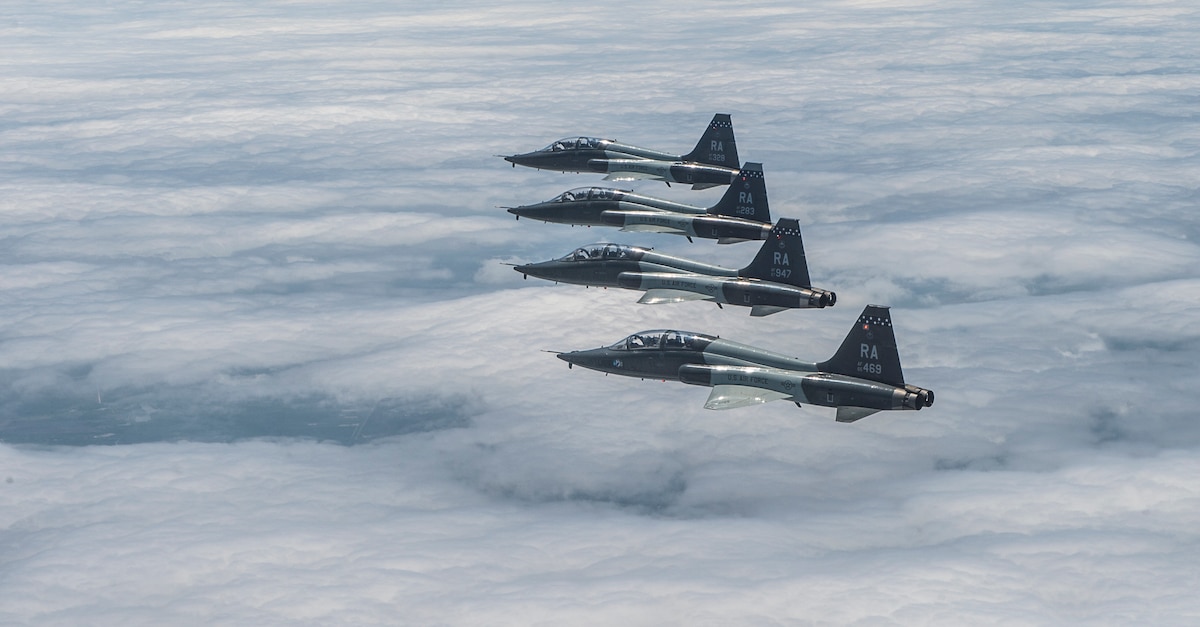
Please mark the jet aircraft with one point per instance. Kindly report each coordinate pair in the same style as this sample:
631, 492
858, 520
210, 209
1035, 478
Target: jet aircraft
775, 281
741, 215
862, 378
714, 160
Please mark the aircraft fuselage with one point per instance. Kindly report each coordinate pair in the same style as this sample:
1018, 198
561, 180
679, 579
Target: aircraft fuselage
601, 265
714, 160
633, 212
698, 175
723, 229
864, 376
708, 361
575, 155
670, 279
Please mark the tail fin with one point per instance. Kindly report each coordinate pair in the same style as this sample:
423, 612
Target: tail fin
746, 196
869, 350
781, 257
716, 146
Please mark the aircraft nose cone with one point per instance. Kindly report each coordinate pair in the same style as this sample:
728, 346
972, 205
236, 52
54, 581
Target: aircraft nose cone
527, 211
544, 211
535, 270
601, 359
526, 159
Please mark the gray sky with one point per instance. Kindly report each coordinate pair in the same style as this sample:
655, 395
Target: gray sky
237, 239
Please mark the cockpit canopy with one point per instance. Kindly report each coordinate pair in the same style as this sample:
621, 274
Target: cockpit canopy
597, 252
586, 193
666, 340
575, 143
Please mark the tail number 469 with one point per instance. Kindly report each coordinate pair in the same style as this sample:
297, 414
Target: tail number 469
870, 368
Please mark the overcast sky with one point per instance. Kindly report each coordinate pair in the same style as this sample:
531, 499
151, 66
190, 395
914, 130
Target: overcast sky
260, 362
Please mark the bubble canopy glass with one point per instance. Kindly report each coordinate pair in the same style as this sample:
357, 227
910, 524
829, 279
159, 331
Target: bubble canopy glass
667, 340
574, 143
596, 252
585, 193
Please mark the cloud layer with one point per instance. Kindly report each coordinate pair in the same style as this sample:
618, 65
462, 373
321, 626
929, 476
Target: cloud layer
234, 241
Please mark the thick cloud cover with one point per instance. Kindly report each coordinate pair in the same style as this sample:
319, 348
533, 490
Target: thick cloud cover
237, 239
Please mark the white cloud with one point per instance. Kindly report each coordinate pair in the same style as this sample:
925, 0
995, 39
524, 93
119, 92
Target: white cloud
283, 222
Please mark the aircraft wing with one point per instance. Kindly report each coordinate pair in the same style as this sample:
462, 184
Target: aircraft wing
734, 396
765, 310
846, 413
659, 296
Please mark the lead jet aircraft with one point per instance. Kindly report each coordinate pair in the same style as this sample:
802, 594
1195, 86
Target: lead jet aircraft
741, 215
862, 378
714, 160
776, 280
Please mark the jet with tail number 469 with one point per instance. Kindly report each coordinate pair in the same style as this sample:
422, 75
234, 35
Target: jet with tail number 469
742, 214
714, 160
862, 378
776, 280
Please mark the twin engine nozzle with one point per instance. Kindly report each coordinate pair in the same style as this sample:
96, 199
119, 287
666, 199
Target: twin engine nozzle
822, 298
916, 398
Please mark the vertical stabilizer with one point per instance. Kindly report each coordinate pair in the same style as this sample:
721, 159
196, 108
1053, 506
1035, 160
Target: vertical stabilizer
869, 350
746, 196
716, 146
781, 258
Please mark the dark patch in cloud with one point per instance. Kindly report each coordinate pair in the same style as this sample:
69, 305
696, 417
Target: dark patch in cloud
933, 292
1050, 284
987, 463
643, 481
1106, 426
1163, 345
199, 414
652, 496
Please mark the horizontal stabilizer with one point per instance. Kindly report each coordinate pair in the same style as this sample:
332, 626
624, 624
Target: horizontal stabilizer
759, 311
652, 228
734, 396
704, 185
660, 296
850, 414
731, 240
632, 176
